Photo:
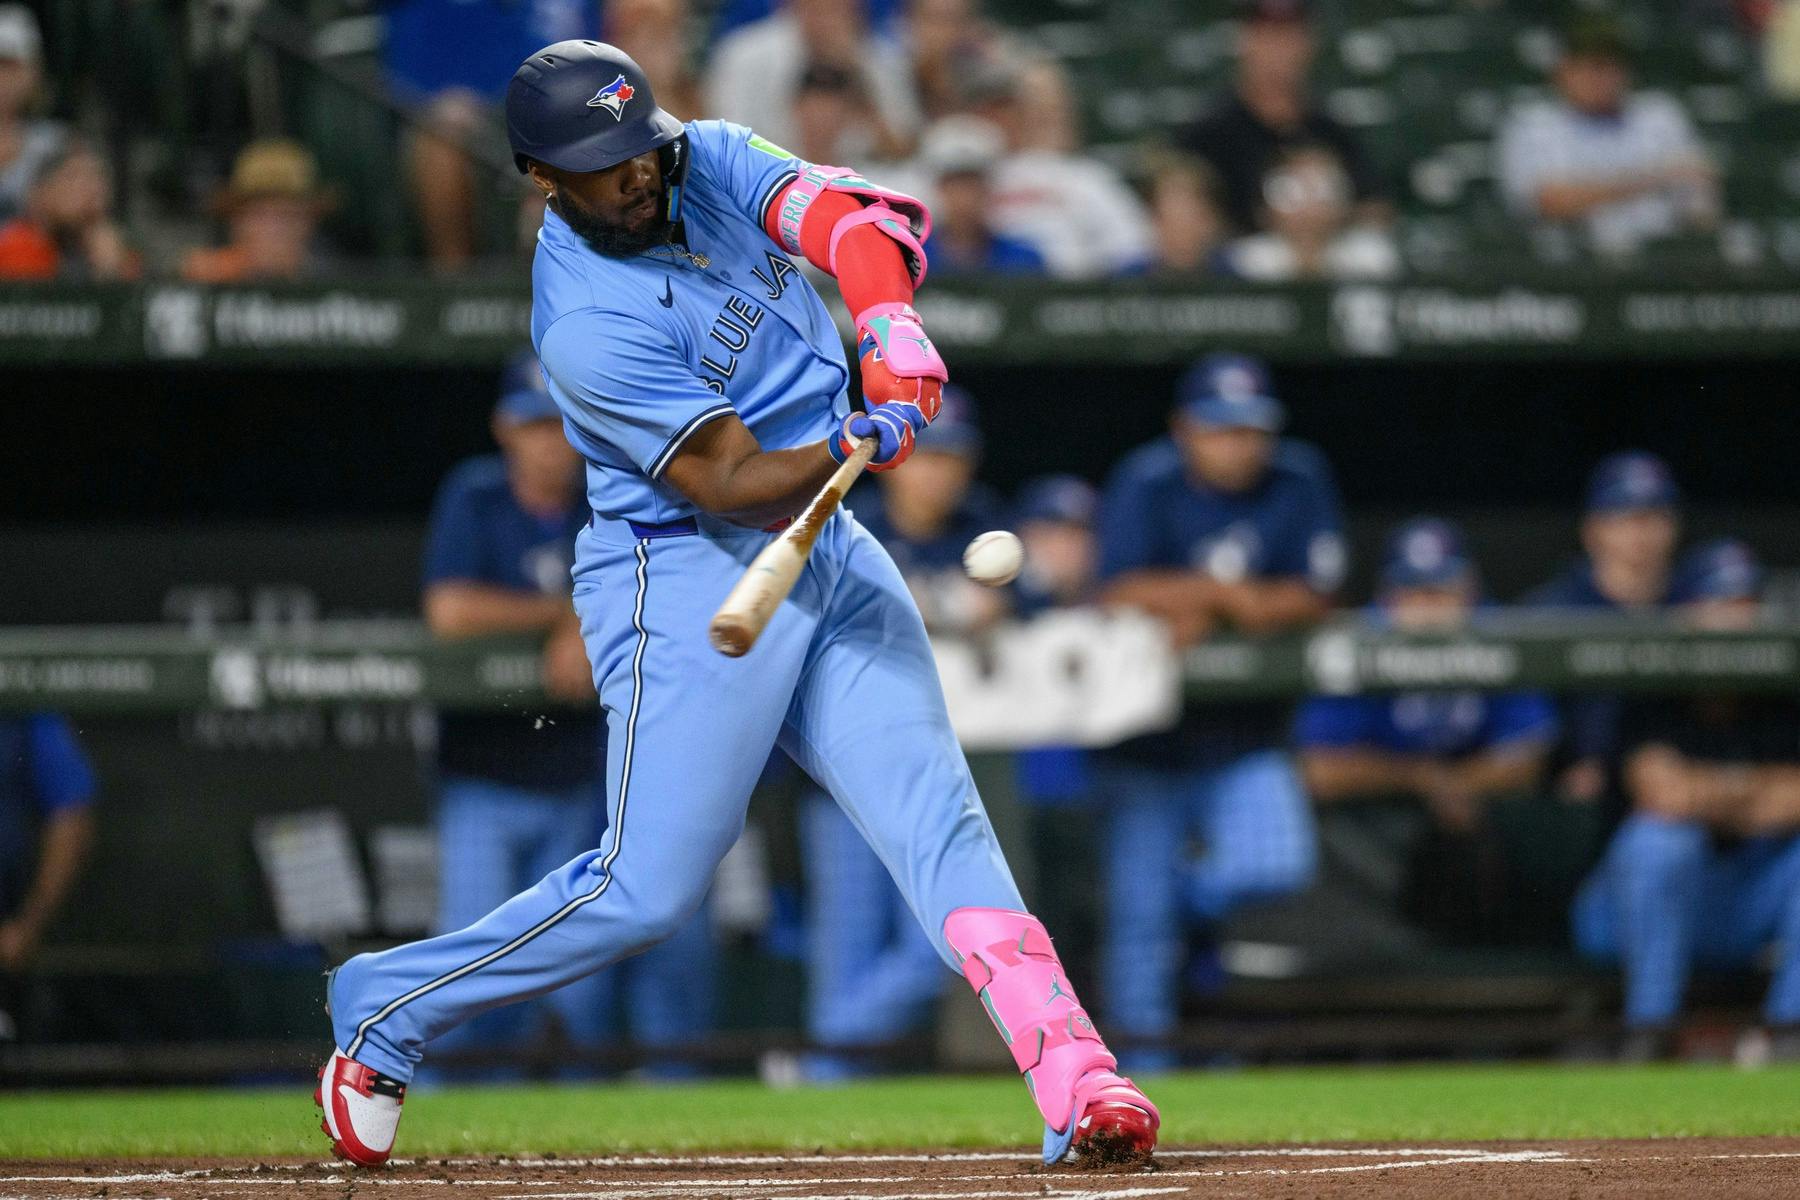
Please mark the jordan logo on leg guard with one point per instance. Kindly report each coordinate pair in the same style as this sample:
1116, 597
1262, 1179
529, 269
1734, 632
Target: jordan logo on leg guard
1009, 961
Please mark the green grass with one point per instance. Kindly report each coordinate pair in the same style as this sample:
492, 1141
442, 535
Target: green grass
1310, 1105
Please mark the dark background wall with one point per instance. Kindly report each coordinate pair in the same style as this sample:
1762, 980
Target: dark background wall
118, 484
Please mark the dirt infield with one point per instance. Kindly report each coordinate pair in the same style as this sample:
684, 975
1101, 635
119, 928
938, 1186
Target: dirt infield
1761, 1167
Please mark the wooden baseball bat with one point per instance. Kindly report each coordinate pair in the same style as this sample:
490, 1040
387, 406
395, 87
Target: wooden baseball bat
771, 574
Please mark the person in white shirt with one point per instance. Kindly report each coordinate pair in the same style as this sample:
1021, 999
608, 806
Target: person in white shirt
1629, 167
755, 74
27, 143
1307, 205
1074, 209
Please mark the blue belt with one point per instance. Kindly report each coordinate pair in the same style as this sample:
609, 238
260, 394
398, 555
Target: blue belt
684, 527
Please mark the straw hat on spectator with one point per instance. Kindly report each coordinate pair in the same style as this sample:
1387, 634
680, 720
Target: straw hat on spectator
274, 168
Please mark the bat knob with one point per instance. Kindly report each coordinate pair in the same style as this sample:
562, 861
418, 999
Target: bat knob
730, 638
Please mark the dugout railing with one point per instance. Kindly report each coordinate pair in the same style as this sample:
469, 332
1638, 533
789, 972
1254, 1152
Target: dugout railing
200, 735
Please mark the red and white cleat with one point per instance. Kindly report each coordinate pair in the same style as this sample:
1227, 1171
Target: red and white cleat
362, 1110
1112, 1121
1117, 1121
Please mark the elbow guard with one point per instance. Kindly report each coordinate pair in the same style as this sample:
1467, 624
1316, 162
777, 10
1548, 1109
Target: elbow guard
901, 217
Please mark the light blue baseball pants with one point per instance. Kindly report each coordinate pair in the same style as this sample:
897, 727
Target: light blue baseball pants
843, 677
495, 839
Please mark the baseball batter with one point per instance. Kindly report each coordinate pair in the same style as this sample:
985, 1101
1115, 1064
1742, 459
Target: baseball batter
704, 383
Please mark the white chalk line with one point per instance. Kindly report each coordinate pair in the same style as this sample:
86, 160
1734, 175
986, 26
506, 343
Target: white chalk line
1052, 1193
1402, 1158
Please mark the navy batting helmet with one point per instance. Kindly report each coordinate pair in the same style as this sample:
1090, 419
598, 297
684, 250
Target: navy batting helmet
583, 106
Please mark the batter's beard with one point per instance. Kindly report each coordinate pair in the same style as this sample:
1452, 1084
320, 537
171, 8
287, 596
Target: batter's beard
615, 241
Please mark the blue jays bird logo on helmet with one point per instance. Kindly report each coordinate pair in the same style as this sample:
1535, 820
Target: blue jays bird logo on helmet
613, 96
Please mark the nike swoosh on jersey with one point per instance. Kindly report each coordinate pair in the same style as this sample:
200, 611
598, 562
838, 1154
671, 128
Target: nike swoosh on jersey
667, 299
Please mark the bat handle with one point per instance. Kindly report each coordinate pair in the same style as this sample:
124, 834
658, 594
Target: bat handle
771, 575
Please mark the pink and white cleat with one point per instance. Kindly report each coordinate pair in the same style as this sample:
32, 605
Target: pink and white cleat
362, 1110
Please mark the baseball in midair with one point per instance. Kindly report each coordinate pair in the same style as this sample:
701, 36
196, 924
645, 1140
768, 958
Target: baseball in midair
994, 558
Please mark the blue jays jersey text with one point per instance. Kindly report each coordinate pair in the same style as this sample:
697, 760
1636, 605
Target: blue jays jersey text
642, 352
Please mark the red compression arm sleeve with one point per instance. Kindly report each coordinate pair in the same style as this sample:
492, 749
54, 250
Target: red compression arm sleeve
870, 270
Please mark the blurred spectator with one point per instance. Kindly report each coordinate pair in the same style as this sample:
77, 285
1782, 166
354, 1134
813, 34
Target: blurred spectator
959, 155
1268, 112
755, 74
452, 59
1435, 783
1781, 49
831, 111
1452, 752
872, 974
656, 35
950, 44
67, 230
1630, 168
1629, 533
1188, 227
732, 15
1054, 518
1073, 208
46, 828
271, 209
26, 143
1705, 868
1305, 214
519, 794
1220, 524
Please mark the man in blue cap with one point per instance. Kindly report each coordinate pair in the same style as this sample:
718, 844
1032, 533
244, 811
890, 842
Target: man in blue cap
1449, 751
1628, 532
1054, 518
519, 793
1220, 525
1425, 772
872, 973
1704, 869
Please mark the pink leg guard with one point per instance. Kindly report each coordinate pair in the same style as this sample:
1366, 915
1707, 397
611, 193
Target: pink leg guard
1007, 958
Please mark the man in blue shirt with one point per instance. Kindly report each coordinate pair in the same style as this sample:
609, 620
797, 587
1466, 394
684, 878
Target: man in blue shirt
703, 380
1628, 533
452, 59
1449, 751
960, 153
1054, 518
1221, 525
872, 974
46, 827
1704, 869
1439, 780
519, 793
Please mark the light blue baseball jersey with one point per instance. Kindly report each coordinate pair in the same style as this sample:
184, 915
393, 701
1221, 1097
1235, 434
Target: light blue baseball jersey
641, 352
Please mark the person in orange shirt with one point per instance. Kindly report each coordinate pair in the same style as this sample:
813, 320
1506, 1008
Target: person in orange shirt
66, 230
271, 208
